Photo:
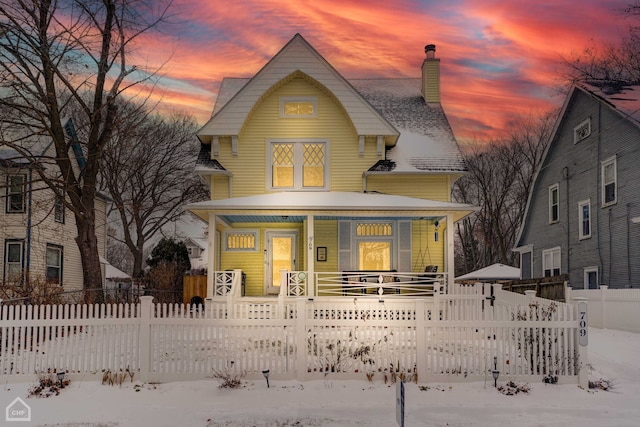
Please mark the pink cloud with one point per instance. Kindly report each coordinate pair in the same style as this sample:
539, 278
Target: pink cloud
498, 58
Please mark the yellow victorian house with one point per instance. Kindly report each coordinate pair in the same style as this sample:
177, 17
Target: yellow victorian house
323, 186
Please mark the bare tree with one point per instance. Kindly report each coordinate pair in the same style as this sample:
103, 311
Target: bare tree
610, 64
500, 177
57, 53
148, 170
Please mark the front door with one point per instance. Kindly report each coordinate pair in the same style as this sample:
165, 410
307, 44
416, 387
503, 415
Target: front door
281, 255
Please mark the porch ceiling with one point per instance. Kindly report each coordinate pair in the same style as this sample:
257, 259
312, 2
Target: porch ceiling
295, 206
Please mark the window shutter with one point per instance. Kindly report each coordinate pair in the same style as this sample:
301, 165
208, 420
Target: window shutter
525, 265
404, 246
344, 245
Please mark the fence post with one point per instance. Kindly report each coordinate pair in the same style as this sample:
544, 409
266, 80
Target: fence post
301, 339
146, 308
603, 304
421, 340
582, 338
531, 294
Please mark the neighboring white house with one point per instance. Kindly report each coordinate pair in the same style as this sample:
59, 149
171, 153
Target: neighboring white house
197, 248
37, 233
118, 285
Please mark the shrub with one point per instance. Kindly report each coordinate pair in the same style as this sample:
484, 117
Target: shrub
48, 385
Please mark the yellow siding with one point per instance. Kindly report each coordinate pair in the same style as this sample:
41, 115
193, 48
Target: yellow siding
432, 187
326, 234
249, 167
219, 187
252, 262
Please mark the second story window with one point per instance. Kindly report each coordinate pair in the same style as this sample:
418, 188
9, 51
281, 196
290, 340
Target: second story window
554, 205
609, 182
298, 165
584, 219
16, 193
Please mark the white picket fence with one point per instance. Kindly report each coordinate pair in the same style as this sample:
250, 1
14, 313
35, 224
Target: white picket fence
610, 308
454, 336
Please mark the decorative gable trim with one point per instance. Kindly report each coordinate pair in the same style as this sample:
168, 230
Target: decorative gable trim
216, 146
296, 56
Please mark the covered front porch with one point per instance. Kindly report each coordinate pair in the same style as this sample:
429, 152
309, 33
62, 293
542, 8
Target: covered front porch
329, 244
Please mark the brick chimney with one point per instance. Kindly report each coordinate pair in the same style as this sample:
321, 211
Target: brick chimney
431, 75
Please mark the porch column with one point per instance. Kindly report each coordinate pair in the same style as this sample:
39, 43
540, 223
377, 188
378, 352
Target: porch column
211, 255
310, 256
450, 264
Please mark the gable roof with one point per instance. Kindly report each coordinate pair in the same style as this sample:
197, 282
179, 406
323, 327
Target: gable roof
425, 139
619, 98
296, 56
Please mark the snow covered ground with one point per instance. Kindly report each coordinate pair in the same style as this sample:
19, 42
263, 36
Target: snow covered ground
613, 355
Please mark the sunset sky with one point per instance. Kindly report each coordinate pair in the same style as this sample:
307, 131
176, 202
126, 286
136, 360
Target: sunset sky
498, 58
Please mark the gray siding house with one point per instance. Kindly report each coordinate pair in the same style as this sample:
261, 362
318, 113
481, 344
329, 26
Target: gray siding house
583, 213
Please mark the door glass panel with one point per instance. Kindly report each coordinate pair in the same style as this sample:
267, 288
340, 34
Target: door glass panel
282, 259
374, 255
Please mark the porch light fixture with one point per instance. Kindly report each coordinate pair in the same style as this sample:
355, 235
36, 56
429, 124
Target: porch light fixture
495, 373
266, 376
436, 235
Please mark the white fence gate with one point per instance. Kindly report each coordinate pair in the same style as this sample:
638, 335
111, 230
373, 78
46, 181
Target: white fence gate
456, 335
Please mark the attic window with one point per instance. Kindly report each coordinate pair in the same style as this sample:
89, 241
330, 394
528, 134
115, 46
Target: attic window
582, 131
299, 106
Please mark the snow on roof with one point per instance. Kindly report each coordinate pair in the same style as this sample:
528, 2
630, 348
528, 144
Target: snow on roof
110, 272
228, 88
331, 202
493, 272
328, 200
426, 141
202, 243
624, 98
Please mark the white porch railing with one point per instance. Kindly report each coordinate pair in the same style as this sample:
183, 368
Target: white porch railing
353, 283
363, 283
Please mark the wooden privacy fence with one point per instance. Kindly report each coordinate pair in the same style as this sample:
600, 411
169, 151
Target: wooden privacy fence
450, 337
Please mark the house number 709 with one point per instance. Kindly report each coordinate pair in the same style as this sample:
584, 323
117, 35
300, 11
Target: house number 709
583, 324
